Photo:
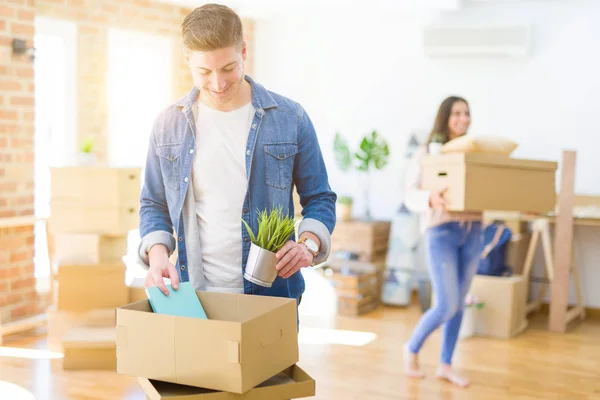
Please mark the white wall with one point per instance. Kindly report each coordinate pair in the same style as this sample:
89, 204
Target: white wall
367, 70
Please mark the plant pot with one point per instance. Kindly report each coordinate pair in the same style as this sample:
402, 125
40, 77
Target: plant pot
467, 327
435, 148
260, 267
86, 159
344, 212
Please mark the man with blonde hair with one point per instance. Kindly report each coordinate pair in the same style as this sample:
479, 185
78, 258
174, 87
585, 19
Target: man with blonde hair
225, 150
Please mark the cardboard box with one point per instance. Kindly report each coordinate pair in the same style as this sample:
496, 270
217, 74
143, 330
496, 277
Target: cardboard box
90, 348
89, 248
369, 240
86, 287
83, 218
357, 286
480, 182
292, 383
62, 322
137, 291
513, 220
95, 185
246, 340
516, 252
503, 314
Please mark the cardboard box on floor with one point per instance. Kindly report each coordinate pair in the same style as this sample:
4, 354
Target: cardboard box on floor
88, 348
60, 323
480, 182
246, 340
69, 217
86, 287
88, 185
89, 248
503, 314
511, 219
292, 383
516, 252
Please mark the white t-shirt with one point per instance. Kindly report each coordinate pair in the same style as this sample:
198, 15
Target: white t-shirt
219, 181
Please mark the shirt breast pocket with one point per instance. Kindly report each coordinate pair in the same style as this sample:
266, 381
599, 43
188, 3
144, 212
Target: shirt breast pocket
169, 155
279, 164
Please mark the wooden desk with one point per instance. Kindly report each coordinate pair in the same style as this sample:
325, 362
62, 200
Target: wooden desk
577, 221
562, 258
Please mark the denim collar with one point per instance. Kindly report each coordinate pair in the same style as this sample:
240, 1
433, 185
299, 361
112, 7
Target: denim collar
261, 98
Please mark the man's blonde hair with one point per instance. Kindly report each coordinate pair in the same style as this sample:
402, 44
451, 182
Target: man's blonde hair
212, 27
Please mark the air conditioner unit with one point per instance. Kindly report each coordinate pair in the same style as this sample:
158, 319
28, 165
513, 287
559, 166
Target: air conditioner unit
511, 40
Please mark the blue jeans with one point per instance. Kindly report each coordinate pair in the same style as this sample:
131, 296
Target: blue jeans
453, 251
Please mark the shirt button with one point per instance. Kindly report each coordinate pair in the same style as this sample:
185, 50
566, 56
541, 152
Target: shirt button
261, 111
246, 239
191, 151
183, 267
186, 179
180, 238
245, 211
253, 126
247, 152
281, 156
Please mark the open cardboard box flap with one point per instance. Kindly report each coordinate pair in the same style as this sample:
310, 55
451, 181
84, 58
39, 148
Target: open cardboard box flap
290, 384
246, 340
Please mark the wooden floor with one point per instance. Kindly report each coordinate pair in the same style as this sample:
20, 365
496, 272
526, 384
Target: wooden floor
361, 359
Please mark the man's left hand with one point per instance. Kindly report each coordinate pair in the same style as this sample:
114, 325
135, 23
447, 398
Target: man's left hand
292, 256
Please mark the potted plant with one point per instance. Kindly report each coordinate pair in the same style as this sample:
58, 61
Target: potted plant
472, 303
373, 153
274, 230
437, 141
344, 208
85, 156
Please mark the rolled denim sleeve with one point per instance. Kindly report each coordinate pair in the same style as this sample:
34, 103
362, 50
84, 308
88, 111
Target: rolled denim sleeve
320, 230
154, 223
151, 239
312, 183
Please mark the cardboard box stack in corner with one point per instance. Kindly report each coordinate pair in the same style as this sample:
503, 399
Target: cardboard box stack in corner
246, 349
93, 209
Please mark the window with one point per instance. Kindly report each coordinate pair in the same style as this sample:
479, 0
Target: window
55, 117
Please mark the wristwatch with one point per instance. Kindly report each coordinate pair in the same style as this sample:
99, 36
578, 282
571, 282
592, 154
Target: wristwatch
311, 246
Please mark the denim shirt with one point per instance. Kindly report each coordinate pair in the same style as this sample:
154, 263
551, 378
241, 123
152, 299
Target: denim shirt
282, 151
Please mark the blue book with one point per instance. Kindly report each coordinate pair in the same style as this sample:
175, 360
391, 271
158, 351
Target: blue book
182, 302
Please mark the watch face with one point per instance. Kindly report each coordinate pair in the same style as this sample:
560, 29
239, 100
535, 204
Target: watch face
311, 245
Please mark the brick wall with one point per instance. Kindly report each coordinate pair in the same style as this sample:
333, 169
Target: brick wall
18, 297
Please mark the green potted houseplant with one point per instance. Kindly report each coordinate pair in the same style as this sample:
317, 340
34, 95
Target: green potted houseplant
344, 208
373, 153
435, 146
86, 156
274, 230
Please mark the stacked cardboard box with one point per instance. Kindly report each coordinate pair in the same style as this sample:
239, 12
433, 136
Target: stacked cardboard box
368, 239
92, 211
357, 286
246, 349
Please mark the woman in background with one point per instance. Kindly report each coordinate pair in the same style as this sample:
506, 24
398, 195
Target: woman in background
453, 246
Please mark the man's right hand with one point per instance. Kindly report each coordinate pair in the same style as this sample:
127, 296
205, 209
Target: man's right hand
437, 200
161, 267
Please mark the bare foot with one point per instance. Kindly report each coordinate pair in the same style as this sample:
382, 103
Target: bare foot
411, 364
445, 372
